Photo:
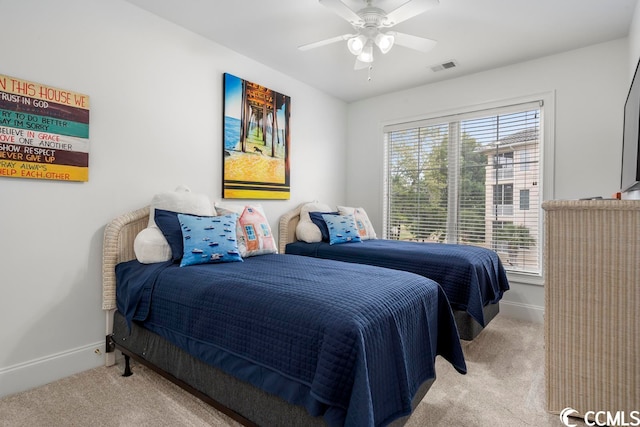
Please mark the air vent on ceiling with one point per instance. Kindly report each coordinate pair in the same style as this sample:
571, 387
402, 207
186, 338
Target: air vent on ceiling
444, 66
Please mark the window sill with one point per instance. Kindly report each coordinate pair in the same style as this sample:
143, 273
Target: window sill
526, 278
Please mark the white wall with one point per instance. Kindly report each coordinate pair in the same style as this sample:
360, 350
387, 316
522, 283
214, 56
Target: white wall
156, 122
634, 42
590, 87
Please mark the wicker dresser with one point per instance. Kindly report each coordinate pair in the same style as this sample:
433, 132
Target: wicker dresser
592, 305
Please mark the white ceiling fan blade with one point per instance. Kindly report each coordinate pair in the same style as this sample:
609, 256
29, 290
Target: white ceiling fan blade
343, 11
325, 42
408, 10
413, 42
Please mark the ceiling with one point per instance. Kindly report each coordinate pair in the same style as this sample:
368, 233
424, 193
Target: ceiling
476, 34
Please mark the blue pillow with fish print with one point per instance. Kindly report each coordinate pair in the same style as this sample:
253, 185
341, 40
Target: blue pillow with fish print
208, 239
342, 229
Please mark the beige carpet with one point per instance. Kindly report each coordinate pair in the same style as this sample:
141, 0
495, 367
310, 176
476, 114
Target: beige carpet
504, 387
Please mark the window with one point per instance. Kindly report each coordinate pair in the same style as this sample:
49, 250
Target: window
524, 200
250, 232
503, 164
503, 199
468, 178
525, 158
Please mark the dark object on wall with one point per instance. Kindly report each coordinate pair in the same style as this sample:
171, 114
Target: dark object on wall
630, 176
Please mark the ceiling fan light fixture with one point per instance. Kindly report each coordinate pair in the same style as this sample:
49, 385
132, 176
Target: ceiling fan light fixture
372, 25
367, 54
356, 44
384, 42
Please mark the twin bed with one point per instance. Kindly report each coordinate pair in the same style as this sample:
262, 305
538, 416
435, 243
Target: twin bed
280, 339
473, 278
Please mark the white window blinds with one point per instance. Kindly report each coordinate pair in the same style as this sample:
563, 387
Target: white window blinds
470, 178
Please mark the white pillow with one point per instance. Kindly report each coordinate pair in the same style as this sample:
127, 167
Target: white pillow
150, 246
363, 224
306, 230
182, 200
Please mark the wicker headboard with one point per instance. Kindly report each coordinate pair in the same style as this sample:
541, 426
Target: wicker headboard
117, 247
287, 228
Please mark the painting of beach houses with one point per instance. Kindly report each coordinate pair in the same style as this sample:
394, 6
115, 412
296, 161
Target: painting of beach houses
256, 141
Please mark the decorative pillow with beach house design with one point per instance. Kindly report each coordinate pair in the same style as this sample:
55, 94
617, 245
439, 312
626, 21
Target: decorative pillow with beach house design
365, 229
252, 230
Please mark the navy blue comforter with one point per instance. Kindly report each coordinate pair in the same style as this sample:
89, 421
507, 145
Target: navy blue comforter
349, 341
471, 276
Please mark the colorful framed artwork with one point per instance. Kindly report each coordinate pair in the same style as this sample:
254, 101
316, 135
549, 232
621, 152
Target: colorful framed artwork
256, 141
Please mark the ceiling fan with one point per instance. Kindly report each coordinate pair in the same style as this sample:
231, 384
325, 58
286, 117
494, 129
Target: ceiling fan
371, 24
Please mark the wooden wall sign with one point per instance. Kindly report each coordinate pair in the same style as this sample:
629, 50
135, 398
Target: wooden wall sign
44, 132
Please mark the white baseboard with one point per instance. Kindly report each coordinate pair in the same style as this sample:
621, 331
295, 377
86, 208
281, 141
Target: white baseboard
37, 372
526, 312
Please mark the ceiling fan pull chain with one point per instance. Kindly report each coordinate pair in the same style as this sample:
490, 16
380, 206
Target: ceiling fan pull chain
369, 73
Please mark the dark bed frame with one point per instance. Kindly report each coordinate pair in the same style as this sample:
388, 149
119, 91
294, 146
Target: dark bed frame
239, 400
468, 327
